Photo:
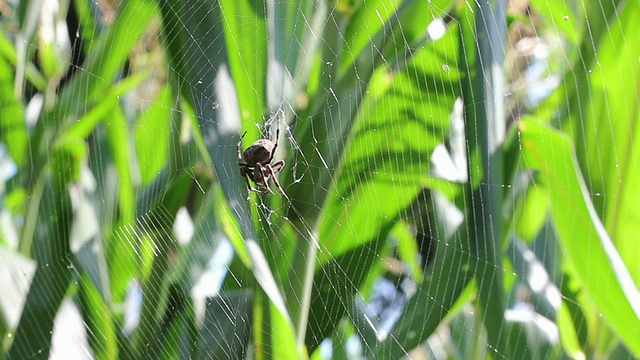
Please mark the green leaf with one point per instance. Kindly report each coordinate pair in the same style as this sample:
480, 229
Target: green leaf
32, 74
152, 135
609, 149
564, 17
13, 129
98, 320
67, 157
586, 243
362, 215
398, 123
119, 144
408, 251
245, 33
568, 335
531, 212
104, 108
283, 337
393, 136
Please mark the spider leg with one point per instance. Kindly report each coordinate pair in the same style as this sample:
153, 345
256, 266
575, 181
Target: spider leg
247, 172
277, 166
275, 146
251, 188
264, 176
246, 178
239, 146
272, 175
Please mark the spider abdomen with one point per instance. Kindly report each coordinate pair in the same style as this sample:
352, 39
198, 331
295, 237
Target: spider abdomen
258, 153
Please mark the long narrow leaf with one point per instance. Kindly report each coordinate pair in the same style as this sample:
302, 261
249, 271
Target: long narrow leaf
584, 239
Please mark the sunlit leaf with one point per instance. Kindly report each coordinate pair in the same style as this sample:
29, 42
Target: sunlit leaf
13, 128
152, 135
607, 146
584, 239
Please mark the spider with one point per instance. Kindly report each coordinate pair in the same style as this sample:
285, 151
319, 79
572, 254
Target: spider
255, 164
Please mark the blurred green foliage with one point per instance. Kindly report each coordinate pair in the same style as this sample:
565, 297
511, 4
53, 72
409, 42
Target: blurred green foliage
119, 125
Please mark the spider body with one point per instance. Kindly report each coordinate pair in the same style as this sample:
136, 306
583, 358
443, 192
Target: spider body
256, 164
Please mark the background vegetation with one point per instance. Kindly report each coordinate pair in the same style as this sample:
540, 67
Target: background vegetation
476, 161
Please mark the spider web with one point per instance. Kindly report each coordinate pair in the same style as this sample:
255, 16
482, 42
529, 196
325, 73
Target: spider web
417, 220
